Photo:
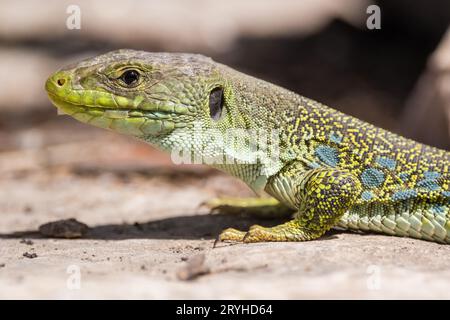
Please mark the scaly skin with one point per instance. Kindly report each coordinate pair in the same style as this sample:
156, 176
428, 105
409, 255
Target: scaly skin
330, 169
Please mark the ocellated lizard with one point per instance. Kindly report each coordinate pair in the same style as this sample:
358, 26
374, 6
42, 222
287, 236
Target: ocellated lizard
329, 168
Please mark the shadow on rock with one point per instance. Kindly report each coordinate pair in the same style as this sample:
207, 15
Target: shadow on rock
183, 227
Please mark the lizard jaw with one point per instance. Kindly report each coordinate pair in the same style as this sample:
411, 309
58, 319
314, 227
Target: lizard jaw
135, 117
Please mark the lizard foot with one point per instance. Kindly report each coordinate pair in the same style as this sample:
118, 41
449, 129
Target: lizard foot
289, 231
260, 207
232, 235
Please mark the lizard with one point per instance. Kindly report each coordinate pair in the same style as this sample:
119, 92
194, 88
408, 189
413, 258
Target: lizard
325, 168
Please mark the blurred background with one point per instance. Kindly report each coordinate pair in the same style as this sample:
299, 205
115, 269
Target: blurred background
53, 167
396, 77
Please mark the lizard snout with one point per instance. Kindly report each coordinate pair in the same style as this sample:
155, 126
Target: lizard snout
57, 82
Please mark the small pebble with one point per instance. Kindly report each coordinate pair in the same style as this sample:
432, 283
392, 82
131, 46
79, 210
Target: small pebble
68, 229
30, 255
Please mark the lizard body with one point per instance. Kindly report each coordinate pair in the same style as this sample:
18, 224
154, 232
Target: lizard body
329, 168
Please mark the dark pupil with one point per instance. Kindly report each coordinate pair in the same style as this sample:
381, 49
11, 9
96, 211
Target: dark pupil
130, 77
216, 103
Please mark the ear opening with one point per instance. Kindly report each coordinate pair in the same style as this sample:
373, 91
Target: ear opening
216, 103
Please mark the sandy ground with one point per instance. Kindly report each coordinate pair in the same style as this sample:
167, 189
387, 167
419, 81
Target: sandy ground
147, 226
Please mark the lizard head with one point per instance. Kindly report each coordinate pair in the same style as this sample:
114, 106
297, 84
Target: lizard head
175, 101
142, 94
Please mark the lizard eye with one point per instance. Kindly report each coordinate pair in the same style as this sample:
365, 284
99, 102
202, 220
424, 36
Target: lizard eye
216, 103
130, 77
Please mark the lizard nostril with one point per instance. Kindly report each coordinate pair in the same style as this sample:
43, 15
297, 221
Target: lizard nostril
61, 82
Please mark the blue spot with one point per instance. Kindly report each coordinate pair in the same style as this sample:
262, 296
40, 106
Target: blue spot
429, 184
336, 137
366, 195
386, 162
431, 175
430, 181
372, 177
404, 194
404, 176
327, 155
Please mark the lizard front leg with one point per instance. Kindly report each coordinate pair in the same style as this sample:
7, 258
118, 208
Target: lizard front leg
321, 196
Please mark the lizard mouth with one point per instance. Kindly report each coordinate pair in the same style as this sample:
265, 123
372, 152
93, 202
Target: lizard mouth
71, 108
135, 122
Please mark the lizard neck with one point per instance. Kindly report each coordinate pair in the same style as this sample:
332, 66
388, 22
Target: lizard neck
236, 153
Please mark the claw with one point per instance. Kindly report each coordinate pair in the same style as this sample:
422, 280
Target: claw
229, 235
216, 242
256, 233
232, 234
